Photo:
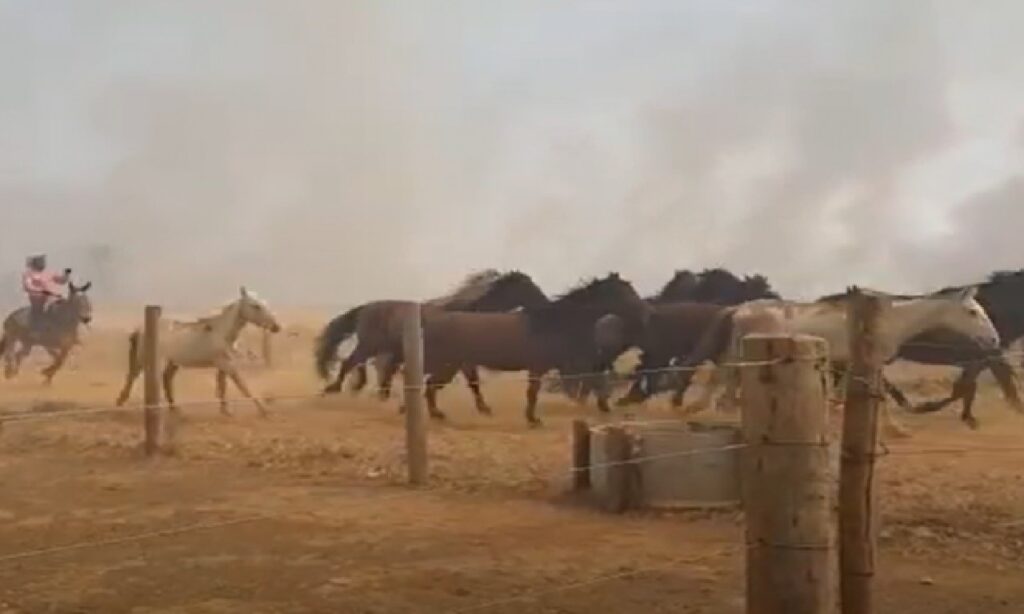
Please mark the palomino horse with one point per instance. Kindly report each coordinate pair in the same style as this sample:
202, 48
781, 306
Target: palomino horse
558, 335
57, 332
1002, 296
207, 343
901, 319
379, 329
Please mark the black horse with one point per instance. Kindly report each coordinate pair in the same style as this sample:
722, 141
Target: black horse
1002, 296
685, 308
680, 313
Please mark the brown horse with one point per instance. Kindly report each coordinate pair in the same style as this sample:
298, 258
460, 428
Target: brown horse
379, 328
559, 335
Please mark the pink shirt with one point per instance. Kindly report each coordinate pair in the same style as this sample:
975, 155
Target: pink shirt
42, 283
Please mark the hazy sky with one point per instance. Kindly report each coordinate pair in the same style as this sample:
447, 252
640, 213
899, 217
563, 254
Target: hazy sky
326, 152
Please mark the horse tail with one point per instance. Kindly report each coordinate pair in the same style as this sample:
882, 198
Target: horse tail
334, 334
1007, 379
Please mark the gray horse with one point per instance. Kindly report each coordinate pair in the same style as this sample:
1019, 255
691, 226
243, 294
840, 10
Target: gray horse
56, 331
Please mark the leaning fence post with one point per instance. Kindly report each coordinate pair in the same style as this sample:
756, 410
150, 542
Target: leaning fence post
786, 486
858, 510
151, 379
415, 422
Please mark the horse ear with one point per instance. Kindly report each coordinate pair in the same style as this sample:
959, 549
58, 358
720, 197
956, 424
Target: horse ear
245, 293
86, 287
968, 293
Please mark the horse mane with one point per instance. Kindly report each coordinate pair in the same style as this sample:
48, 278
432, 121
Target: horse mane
717, 285
471, 288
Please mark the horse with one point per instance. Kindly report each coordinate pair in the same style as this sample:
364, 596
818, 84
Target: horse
558, 335
680, 313
901, 319
378, 325
56, 332
685, 307
206, 343
1002, 297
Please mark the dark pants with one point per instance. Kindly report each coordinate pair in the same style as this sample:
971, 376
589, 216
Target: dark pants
37, 311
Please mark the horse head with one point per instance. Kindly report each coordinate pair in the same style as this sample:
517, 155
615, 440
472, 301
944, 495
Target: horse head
959, 310
78, 300
681, 287
255, 311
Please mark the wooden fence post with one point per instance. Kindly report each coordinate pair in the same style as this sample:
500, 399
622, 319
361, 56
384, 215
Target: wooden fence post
580, 455
415, 422
619, 470
151, 379
858, 511
787, 492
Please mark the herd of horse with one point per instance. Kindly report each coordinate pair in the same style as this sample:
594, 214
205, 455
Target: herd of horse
505, 322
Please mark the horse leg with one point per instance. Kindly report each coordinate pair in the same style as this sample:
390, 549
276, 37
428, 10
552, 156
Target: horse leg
168, 381
893, 427
1007, 380
433, 384
708, 398
532, 393
358, 356
967, 389
134, 368
21, 355
359, 381
222, 392
473, 380
236, 377
895, 393
59, 357
602, 390
387, 368
10, 352
637, 392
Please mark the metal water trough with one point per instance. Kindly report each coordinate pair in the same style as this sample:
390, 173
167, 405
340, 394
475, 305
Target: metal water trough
671, 469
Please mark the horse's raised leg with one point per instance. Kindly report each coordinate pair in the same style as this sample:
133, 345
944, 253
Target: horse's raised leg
532, 393
473, 380
236, 377
222, 393
59, 358
895, 393
358, 356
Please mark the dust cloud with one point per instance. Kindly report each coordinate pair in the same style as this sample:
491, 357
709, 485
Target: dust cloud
326, 153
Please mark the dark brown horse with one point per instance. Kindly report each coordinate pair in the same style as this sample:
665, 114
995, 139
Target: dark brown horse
379, 328
1002, 297
556, 336
681, 313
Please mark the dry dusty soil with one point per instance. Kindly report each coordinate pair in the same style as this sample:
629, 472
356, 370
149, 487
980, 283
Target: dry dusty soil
306, 512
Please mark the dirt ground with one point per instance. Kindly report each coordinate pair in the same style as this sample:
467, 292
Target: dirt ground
305, 511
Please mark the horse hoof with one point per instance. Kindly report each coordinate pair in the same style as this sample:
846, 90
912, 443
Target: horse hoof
972, 423
438, 415
535, 423
485, 410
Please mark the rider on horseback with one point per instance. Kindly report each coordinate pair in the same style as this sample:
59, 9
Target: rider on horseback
41, 286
